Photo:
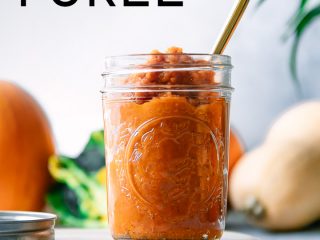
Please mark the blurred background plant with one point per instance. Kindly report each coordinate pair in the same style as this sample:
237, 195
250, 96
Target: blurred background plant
306, 13
79, 195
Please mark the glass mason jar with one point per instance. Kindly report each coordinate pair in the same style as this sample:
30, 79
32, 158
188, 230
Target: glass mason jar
166, 119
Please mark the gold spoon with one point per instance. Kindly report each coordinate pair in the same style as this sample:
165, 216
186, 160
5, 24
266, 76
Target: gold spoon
230, 26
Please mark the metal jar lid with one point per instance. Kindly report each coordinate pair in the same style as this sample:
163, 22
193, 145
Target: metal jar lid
13, 222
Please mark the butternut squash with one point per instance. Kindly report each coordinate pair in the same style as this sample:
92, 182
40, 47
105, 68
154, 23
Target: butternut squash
278, 184
26, 143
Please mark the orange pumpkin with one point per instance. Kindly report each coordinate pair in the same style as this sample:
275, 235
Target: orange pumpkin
236, 150
26, 143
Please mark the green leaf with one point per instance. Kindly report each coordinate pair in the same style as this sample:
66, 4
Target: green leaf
96, 140
64, 199
92, 159
300, 27
90, 194
307, 19
298, 24
303, 3
296, 18
299, 12
66, 218
260, 2
293, 63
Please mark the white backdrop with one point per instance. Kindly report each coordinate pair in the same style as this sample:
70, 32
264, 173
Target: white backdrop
57, 54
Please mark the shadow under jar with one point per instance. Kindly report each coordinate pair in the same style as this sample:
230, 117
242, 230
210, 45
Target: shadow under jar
166, 120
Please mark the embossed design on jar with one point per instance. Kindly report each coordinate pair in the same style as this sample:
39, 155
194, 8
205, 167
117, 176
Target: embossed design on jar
173, 163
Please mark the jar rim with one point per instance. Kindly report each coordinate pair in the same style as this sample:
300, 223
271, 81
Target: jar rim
119, 64
223, 56
118, 68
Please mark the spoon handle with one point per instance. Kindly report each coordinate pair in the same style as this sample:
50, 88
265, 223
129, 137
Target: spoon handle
230, 26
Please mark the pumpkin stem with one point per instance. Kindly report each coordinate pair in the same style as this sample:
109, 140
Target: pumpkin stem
254, 209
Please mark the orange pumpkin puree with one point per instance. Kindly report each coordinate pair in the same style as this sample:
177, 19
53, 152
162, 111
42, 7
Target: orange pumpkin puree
166, 157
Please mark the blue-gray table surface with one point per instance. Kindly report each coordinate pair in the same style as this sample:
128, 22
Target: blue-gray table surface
236, 227
237, 222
